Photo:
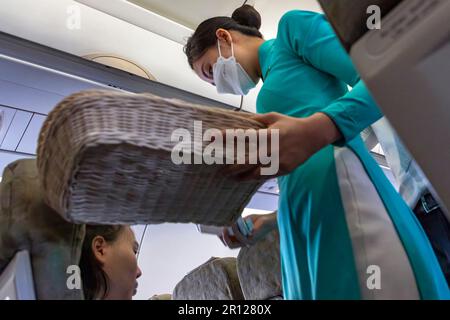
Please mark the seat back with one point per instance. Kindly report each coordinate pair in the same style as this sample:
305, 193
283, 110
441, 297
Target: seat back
27, 223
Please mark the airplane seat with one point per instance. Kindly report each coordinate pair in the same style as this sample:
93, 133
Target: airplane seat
254, 275
27, 224
259, 269
216, 279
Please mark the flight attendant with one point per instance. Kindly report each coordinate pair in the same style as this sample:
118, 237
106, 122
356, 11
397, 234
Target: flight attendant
345, 233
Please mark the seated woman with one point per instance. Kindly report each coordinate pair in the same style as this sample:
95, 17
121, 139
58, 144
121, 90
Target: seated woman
108, 263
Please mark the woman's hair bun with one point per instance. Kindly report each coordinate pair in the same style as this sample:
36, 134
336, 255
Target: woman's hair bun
247, 16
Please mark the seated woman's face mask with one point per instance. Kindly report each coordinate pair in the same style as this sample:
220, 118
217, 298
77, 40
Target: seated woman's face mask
230, 76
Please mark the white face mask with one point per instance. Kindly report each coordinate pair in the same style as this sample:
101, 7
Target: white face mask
230, 76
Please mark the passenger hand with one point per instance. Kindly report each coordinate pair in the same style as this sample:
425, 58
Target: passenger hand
262, 226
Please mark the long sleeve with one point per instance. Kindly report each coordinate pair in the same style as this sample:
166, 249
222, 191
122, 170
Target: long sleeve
310, 36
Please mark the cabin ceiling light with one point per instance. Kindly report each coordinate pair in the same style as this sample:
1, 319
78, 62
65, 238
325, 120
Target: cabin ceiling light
120, 63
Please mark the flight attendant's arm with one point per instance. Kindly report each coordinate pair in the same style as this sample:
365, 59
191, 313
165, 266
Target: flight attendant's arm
312, 38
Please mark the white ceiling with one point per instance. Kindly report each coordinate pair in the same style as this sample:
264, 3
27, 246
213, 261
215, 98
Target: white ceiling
176, 19
191, 13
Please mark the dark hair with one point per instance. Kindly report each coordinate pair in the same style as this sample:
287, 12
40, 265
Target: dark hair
95, 280
244, 19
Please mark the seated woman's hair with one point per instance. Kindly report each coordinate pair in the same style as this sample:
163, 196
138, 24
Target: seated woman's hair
95, 280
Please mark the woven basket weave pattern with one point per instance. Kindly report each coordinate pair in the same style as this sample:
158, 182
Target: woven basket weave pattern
105, 157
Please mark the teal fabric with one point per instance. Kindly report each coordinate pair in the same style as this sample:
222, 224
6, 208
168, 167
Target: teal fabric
305, 71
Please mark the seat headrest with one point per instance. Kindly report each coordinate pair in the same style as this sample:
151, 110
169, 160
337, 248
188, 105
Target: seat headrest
214, 280
259, 270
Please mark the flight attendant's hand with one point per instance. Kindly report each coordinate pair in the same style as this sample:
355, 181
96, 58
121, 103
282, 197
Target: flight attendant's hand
262, 226
299, 139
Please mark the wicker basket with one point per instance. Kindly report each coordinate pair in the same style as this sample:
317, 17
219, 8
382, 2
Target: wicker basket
105, 157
